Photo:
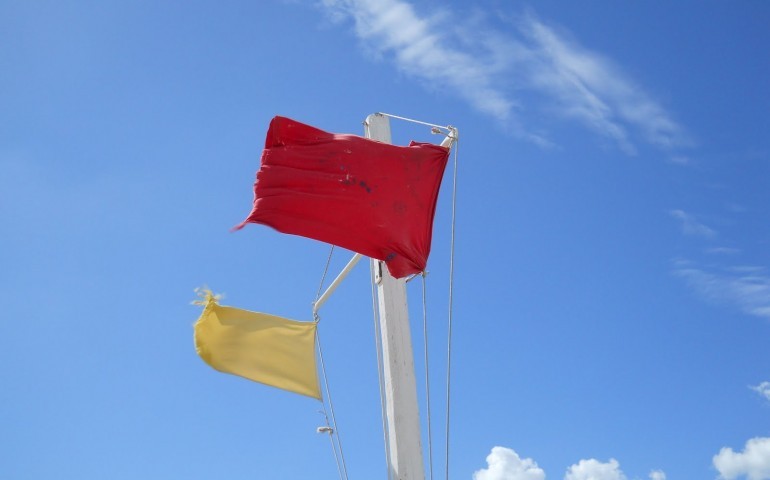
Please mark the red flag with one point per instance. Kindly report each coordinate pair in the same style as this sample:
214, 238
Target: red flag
370, 197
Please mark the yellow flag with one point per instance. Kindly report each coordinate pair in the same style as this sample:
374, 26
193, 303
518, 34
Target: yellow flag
265, 348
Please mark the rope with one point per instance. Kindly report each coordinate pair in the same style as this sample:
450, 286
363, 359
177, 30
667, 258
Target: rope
380, 366
323, 277
414, 121
449, 323
427, 373
343, 470
330, 431
339, 459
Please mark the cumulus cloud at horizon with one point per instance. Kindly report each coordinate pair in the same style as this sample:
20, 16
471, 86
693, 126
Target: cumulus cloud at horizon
517, 70
505, 464
592, 469
657, 475
753, 462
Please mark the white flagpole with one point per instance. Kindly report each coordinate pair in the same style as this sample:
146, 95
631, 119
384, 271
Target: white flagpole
402, 412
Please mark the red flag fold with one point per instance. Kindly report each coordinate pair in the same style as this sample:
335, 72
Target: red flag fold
369, 197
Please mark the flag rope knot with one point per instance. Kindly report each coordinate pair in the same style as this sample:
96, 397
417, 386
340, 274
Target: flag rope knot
206, 296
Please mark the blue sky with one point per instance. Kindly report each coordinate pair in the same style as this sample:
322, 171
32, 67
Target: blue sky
612, 289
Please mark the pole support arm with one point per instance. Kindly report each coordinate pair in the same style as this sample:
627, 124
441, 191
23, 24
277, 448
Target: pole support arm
344, 273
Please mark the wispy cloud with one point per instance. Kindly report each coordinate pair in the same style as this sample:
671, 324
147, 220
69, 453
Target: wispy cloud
763, 389
753, 462
723, 251
590, 88
419, 47
747, 288
680, 160
691, 226
514, 75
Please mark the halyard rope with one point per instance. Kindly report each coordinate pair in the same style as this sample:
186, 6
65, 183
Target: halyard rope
343, 471
323, 277
330, 430
414, 121
334, 433
427, 373
380, 366
451, 284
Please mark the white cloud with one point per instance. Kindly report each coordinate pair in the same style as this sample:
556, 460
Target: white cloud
691, 226
505, 464
753, 462
589, 88
490, 68
593, 469
657, 475
762, 389
747, 288
723, 250
419, 48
